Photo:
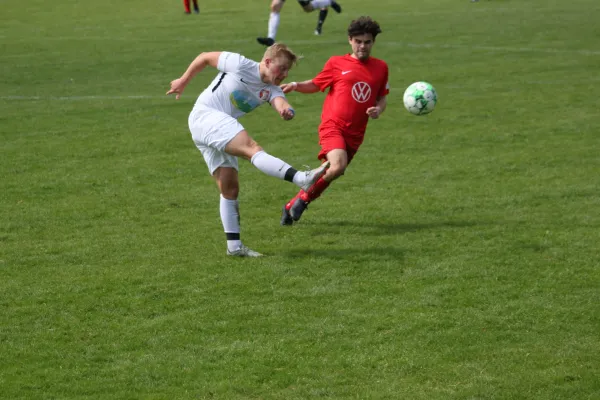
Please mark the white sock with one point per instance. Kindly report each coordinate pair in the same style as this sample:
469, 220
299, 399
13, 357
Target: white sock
270, 165
230, 217
320, 3
273, 24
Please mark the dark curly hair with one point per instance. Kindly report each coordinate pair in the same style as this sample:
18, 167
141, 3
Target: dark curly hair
364, 25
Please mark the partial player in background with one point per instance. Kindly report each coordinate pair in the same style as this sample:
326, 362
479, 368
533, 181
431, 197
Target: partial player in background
240, 87
358, 86
308, 6
186, 5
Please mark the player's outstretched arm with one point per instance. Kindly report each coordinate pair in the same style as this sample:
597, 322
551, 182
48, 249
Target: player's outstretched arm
375, 112
199, 63
302, 87
284, 109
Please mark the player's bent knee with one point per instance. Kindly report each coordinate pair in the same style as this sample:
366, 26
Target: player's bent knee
335, 171
242, 145
306, 6
230, 193
276, 5
252, 149
227, 181
229, 188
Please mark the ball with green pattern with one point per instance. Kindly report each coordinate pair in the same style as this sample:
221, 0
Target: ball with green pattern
420, 98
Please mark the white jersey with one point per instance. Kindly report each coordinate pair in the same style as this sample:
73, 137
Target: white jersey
238, 89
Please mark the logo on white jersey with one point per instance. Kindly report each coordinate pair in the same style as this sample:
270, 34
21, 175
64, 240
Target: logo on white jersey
345, 72
264, 94
361, 92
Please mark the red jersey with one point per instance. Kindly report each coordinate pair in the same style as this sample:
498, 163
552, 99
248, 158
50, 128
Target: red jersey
354, 86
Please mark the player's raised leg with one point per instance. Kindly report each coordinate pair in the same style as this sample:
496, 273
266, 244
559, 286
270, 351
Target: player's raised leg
311, 5
273, 26
242, 145
321, 20
293, 210
300, 203
336, 6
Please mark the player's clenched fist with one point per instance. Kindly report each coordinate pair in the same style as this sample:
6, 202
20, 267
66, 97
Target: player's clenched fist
374, 112
288, 114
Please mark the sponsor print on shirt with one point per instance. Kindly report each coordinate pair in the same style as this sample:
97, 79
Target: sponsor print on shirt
243, 101
361, 92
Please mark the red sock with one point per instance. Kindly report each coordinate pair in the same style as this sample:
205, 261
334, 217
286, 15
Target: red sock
289, 203
313, 192
186, 5
316, 189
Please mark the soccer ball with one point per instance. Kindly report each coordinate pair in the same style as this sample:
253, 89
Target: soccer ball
420, 98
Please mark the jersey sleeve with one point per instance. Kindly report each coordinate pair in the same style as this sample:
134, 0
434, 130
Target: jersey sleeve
276, 92
384, 90
231, 62
324, 79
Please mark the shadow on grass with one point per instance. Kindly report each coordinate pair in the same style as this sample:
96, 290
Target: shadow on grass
350, 254
383, 228
327, 232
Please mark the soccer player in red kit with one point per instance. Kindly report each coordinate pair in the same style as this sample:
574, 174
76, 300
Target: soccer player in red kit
358, 86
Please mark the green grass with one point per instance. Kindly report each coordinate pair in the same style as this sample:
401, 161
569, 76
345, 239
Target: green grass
458, 258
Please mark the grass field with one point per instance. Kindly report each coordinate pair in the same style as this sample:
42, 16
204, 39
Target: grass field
458, 258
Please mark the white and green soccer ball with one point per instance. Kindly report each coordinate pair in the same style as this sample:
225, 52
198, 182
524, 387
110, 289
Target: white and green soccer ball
420, 98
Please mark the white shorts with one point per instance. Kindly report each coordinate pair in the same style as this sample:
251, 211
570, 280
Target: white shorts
211, 131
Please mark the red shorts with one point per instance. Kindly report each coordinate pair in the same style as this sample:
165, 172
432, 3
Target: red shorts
333, 137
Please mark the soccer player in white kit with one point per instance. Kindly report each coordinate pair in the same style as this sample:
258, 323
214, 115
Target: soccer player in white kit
240, 87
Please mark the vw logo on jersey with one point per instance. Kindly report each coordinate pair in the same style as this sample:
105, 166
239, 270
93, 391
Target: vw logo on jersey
264, 94
361, 92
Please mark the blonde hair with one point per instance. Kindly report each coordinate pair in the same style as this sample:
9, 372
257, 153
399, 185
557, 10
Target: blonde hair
280, 50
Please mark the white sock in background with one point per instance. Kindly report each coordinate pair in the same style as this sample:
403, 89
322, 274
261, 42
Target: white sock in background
230, 217
273, 25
